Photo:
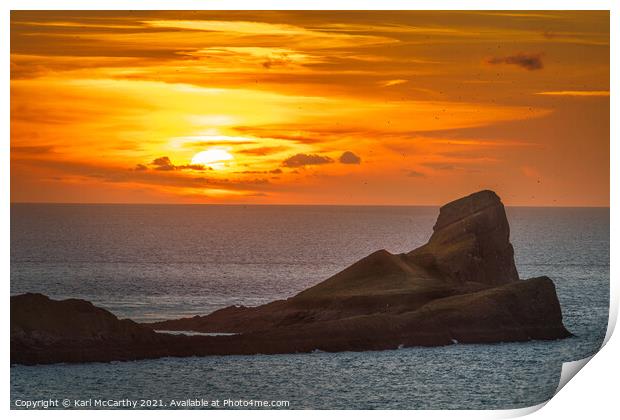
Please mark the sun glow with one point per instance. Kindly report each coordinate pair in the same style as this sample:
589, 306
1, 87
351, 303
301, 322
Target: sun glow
215, 157
326, 107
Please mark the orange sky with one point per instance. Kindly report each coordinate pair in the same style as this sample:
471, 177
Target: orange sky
310, 107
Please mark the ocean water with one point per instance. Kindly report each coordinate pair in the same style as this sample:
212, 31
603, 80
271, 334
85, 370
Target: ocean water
153, 262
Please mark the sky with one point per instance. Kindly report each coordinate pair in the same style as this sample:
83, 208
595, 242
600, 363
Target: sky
320, 107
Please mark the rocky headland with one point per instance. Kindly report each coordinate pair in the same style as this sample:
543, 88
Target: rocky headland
462, 286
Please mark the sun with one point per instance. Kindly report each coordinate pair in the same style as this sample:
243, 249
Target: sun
214, 157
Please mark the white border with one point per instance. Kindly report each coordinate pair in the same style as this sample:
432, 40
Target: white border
592, 395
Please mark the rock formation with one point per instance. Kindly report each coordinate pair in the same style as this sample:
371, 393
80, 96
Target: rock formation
470, 242
47, 331
462, 286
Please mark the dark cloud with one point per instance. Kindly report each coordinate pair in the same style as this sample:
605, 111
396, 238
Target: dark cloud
350, 158
193, 167
282, 60
273, 171
524, 60
145, 177
141, 167
416, 174
165, 164
31, 150
302, 159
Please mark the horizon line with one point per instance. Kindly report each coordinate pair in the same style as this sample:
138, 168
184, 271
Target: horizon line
286, 204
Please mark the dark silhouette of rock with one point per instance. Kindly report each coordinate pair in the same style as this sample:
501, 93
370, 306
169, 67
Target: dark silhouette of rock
462, 286
71, 319
45, 330
468, 251
470, 242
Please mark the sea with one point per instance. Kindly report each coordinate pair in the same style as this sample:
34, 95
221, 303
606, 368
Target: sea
155, 262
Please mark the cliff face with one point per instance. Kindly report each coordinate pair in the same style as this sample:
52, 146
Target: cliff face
462, 286
470, 242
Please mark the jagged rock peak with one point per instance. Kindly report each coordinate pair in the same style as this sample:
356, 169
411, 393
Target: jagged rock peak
471, 241
465, 207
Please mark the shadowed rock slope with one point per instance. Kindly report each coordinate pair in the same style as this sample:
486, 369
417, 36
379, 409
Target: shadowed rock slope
462, 286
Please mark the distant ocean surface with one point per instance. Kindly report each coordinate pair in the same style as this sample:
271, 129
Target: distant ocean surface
154, 262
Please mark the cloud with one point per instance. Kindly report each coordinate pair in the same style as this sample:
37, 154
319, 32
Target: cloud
302, 159
163, 179
350, 158
261, 151
193, 167
165, 164
273, 171
443, 166
388, 83
265, 31
280, 60
415, 174
32, 150
524, 60
296, 135
575, 93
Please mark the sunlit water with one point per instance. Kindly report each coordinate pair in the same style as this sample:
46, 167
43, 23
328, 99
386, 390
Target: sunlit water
158, 262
